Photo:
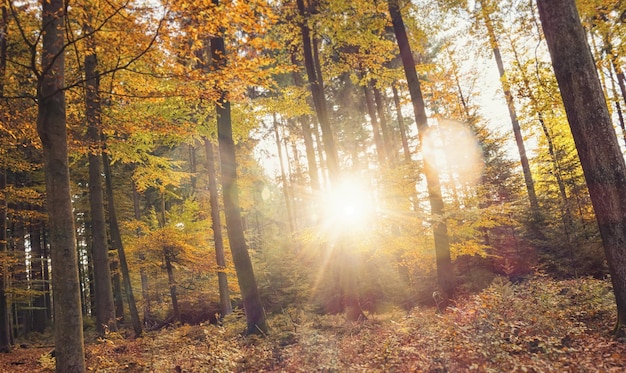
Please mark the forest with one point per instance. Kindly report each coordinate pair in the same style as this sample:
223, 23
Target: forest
312, 185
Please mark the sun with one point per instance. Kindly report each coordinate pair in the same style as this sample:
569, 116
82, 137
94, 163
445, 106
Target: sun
349, 206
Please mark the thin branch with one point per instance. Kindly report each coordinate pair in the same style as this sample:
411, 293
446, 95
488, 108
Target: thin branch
84, 36
31, 46
145, 96
125, 65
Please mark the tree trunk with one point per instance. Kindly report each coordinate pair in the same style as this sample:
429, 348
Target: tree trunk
306, 134
118, 296
145, 288
517, 131
5, 325
283, 178
172, 284
105, 308
5, 340
40, 319
556, 167
378, 142
384, 129
116, 240
405, 142
255, 315
216, 225
618, 107
596, 142
445, 272
317, 92
51, 127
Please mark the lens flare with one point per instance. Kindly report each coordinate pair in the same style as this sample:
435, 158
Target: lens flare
348, 206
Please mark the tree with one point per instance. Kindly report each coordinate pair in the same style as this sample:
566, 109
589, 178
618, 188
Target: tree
255, 315
445, 272
51, 126
116, 240
600, 155
517, 132
317, 92
5, 340
216, 226
105, 309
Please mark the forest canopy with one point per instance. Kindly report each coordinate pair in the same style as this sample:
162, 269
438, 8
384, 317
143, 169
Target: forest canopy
183, 162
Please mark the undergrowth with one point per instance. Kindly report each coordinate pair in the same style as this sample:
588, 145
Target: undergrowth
538, 326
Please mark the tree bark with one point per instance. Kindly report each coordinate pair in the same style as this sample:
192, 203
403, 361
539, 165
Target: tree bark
5, 325
378, 141
517, 131
105, 308
618, 107
319, 99
145, 286
306, 134
405, 142
40, 319
445, 272
600, 155
116, 240
51, 127
172, 284
5, 340
118, 296
283, 178
216, 225
255, 315
384, 128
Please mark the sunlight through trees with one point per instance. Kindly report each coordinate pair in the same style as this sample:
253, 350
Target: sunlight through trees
283, 167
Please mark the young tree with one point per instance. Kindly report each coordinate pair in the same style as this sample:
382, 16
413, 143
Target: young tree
51, 126
255, 315
317, 92
216, 226
600, 155
517, 132
116, 240
445, 272
5, 340
105, 309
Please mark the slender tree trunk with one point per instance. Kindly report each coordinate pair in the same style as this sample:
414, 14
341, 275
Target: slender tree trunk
445, 272
614, 62
40, 320
216, 225
145, 288
172, 285
5, 340
51, 126
405, 142
596, 142
618, 107
116, 240
118, 296
255, 315
105, 308
378, 141
283, 177
384, 128
319, 99
5, 325
556, 167
306, 134
192, 168
46, 274
517, 131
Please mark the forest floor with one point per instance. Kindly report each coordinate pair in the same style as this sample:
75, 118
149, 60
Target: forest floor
540, 325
